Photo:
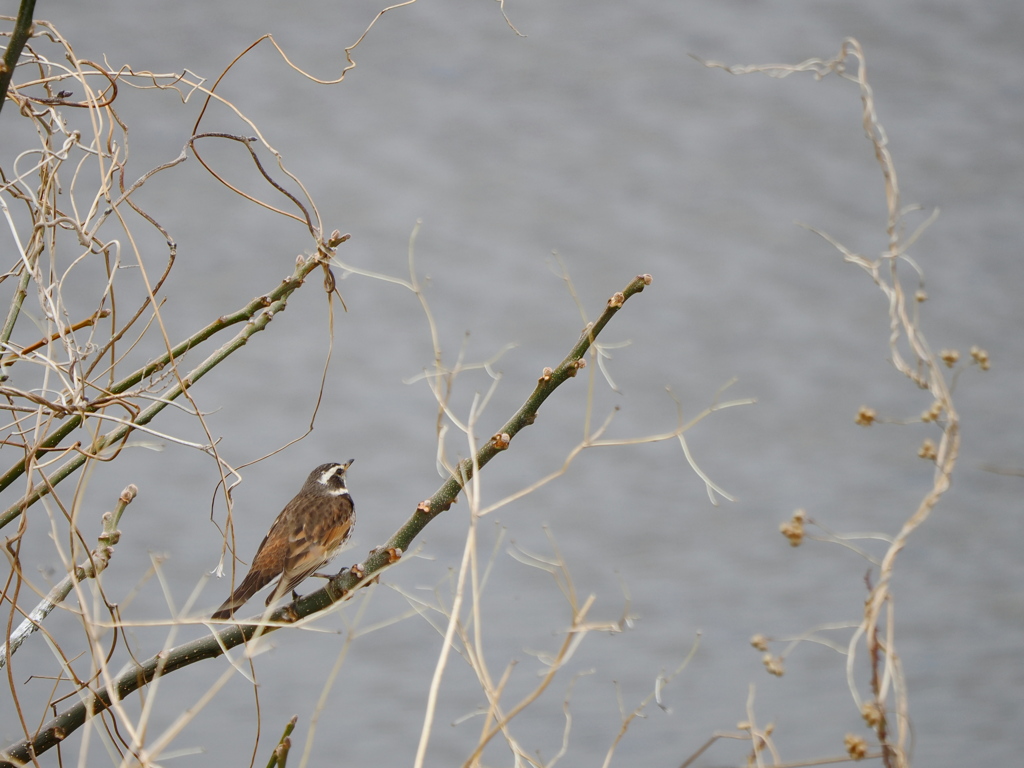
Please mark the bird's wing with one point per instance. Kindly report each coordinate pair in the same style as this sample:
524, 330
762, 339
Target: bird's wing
313, 545
267, 565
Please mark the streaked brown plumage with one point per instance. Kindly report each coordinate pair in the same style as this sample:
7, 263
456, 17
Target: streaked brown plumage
311, 529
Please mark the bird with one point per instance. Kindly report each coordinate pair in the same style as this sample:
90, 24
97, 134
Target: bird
311, 529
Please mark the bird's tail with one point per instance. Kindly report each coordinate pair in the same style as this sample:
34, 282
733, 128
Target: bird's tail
251, 584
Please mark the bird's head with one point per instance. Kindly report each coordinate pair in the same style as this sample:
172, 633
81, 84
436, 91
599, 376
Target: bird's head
328, 479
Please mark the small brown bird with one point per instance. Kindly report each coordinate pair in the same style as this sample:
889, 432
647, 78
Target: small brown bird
311, 529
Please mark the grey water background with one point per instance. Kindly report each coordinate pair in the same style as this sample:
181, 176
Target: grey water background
598, 137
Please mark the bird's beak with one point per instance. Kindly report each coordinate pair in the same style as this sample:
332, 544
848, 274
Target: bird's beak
349, 463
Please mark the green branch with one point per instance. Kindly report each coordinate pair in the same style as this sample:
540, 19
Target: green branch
341, 586
549, 381
19, 36
257, 313
96, 562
